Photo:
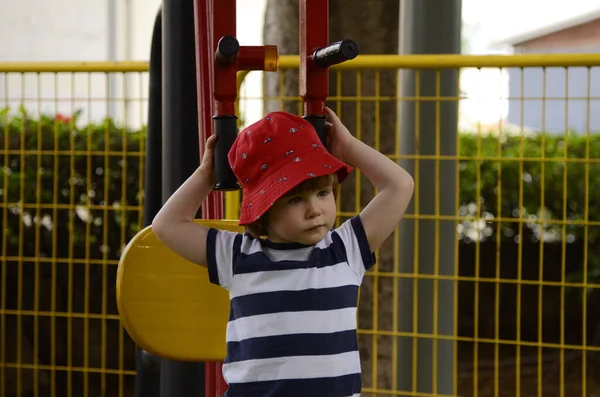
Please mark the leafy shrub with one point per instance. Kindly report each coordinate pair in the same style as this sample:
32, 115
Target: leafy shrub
537, 178
51, 160
68, 178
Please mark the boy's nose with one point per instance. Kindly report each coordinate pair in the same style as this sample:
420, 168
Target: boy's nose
313, 210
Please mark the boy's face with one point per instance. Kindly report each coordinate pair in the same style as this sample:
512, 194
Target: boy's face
304, 217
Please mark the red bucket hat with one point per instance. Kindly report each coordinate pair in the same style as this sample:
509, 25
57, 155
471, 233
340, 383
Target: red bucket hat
274, 155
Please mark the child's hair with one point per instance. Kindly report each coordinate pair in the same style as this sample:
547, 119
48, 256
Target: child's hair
259, 228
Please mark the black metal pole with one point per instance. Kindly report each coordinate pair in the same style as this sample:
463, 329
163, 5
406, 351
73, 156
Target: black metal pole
153, 164
147, 381
180, 151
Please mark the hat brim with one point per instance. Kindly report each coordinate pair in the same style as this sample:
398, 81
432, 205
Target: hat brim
312, 164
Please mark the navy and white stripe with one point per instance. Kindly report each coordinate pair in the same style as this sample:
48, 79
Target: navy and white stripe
292, 322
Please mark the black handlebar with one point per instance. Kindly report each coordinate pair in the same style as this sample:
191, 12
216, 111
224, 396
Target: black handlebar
324, 57
335, 53
318, 122
227, 50
226, 132
225, 127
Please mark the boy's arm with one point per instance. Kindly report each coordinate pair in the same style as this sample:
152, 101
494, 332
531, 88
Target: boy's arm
174, 224
395, 186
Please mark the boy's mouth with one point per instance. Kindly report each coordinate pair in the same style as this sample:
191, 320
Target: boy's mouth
312, 229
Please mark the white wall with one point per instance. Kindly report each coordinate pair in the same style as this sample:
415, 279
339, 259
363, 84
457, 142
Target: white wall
134, 44
60, 30
57, 30
92, 30
249, 31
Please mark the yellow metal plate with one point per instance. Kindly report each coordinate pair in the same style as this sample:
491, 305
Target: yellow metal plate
167, 304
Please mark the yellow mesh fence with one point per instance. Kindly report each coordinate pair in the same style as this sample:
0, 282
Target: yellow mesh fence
71, 197
523, 276
505, 282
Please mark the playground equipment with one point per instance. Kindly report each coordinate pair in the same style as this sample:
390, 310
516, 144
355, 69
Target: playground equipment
166, 303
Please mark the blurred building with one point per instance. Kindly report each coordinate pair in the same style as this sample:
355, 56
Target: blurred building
81, 30
557, 99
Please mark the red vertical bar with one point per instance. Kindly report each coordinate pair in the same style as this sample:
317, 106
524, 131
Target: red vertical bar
221, 386
225, 82
213, 205
223, 24
210, 386
203, 75
314, 33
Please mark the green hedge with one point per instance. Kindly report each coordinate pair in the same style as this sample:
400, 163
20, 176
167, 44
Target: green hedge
524, 180
521, 181
51, 160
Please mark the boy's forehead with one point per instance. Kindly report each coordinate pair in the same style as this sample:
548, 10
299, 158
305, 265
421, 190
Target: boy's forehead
309, 189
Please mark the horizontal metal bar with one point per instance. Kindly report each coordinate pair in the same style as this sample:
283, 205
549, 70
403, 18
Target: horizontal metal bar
456, 61
360, 62
65, 368
73, 67
481, 340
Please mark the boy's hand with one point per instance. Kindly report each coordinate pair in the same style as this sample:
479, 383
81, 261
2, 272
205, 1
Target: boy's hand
207, 167
338, 137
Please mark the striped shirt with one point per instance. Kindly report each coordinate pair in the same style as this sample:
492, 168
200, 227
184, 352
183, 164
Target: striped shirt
292, 321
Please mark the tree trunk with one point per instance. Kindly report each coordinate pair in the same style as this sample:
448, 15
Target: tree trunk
373, 24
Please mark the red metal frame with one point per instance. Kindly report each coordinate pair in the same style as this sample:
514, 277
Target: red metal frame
213, 206
217, 89
217, 83
225, 83
248, 58
215, 386
217, 93
314, 34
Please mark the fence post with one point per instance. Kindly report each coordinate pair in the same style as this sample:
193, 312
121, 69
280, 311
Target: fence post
179, 151
429, 27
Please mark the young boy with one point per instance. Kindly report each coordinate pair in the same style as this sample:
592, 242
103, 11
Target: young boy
294, 293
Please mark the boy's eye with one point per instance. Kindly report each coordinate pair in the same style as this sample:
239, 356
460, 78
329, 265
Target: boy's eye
294, 200
323, 193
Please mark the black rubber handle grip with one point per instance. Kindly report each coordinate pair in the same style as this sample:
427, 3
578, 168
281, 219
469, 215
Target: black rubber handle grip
226, 132
227, 50
318, 122
335, 53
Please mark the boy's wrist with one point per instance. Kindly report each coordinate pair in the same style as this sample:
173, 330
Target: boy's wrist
347, 153
207, 177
